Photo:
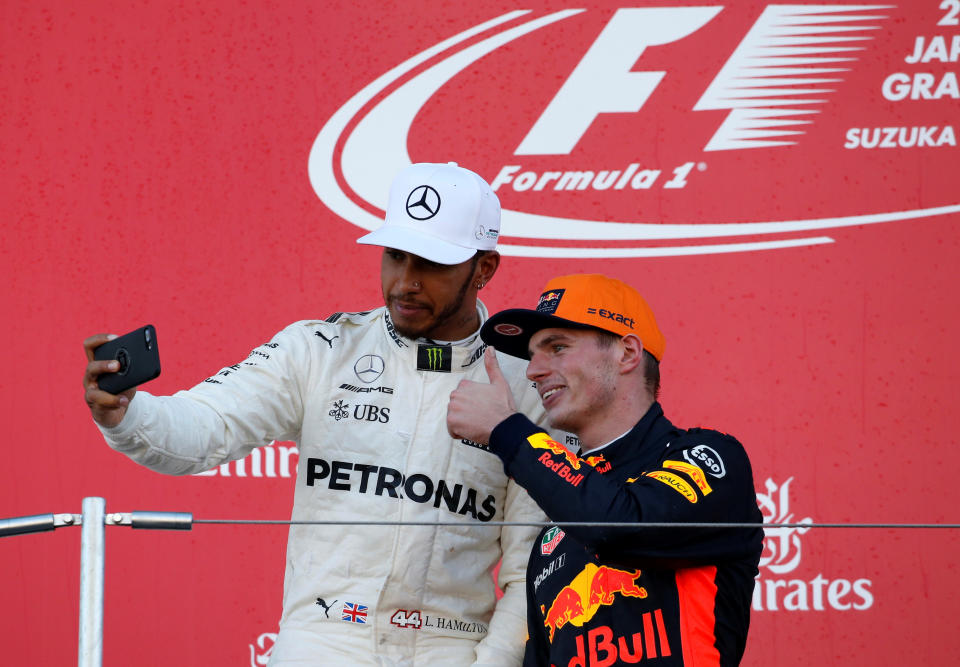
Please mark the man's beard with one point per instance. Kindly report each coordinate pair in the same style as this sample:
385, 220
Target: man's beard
442, 318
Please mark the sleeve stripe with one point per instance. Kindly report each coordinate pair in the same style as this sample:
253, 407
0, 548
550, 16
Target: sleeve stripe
697, 592
693, 472
676, 483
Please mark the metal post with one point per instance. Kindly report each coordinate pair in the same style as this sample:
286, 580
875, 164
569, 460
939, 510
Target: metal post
91, 583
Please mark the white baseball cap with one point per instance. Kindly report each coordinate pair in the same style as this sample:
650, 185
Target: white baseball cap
441, 212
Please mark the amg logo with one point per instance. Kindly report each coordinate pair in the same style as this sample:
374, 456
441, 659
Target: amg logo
366, 390
417, 487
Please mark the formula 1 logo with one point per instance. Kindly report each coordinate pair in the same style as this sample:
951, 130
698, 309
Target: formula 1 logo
564, 195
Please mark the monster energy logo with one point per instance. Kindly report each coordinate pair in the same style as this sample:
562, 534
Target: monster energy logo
435, 358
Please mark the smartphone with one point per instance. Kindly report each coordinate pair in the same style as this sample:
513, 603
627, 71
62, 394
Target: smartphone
139, 359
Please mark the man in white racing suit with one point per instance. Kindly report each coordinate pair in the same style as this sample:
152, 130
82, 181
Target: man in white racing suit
365, 395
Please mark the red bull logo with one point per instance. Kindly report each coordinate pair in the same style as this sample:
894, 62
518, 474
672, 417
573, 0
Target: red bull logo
598, 463
603, 649
593, 587
549, 301
565, 468
544, 441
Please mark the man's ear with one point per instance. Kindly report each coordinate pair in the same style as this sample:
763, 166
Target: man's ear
487, 265
631, 353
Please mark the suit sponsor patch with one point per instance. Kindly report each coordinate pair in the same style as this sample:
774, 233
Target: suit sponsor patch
436, 358
707, 459
549, 301
550, 540
693, 472
675, 483
365, 478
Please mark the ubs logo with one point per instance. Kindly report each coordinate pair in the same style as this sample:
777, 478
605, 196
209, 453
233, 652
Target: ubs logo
369, 368
423, 203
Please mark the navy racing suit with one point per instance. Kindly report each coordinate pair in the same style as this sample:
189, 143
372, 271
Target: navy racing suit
601, 595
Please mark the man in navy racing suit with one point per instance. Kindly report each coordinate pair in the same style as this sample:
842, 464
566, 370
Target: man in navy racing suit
600, 595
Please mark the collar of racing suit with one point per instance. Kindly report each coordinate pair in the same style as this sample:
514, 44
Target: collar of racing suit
643, 445
466, 353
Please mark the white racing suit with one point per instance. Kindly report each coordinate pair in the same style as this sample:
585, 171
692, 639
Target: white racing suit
373, 444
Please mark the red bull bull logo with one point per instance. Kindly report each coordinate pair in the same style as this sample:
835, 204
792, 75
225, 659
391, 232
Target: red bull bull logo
608, 580
593, 587
566, 607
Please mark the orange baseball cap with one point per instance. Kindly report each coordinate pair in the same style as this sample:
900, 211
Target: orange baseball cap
579, 301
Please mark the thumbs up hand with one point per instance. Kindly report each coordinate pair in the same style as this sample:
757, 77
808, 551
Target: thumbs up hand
475, 408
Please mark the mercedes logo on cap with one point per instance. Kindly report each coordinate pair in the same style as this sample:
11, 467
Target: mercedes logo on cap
368, 367
423, 203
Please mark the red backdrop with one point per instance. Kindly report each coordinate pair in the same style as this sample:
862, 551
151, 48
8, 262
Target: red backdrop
779, 181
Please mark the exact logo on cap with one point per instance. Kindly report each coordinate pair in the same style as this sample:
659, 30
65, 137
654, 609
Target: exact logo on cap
550, 301
423, 203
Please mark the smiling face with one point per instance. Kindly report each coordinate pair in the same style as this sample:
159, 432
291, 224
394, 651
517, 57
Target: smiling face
438, 301
576, 376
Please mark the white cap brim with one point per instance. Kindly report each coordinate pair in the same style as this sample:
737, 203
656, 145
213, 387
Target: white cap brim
412, 241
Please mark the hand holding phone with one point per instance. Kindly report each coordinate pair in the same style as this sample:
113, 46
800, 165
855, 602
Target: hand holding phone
138, 356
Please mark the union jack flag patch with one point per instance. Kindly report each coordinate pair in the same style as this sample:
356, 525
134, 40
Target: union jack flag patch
354, 613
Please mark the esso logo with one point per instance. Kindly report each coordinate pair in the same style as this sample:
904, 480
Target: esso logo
651, 131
